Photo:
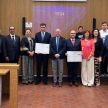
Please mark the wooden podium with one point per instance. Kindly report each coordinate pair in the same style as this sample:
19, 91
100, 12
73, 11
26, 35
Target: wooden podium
13, 69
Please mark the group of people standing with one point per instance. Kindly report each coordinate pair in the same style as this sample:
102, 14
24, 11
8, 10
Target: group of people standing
94, 47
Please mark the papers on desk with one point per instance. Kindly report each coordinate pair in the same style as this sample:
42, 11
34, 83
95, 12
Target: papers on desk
74, 56
42, 48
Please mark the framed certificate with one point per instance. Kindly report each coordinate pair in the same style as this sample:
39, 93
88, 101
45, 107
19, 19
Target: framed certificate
74, 56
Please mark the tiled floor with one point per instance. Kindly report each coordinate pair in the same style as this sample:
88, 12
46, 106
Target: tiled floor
42, 96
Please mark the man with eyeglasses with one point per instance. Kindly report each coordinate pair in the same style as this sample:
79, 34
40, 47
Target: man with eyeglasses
73, 44
42, 37
11, 46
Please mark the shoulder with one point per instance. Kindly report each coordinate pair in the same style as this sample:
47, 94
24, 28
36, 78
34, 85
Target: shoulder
48, 33
53, 38
62, 38
38, 33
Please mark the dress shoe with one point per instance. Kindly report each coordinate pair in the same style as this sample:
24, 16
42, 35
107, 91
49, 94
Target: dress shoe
37, 82
70, 84
60, 84
26, 83
76, 84
45, 82
54, 84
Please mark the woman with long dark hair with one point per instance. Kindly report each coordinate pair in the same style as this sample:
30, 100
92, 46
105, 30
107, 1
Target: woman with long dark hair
97, 55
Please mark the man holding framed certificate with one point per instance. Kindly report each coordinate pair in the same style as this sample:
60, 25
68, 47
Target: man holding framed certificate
42, 38
73, 48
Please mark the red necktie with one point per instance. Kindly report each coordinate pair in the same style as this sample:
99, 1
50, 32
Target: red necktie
72, 42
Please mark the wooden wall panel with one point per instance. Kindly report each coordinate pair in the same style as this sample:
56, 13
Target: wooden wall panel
12, 11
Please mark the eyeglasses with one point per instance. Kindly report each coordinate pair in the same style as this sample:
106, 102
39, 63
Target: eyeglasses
11, 29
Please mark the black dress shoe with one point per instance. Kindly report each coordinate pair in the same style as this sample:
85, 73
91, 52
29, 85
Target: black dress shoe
37, 82
26, 83
70, 84
45, 82
76, 84
54, 84
60, 84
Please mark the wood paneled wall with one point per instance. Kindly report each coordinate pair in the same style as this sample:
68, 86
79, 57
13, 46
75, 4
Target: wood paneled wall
12, 11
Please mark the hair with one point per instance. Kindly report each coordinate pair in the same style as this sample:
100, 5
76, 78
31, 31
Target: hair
98, 33
80, 27
90, 36
42, 24
11, 26
104, 23
27, 29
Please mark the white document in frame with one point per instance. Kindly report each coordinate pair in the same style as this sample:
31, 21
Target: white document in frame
42, 48
74, 56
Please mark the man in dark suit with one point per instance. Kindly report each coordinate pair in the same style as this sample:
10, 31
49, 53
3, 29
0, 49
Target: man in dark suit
2, 60
58, 49
11, 46
42, 37
73, 44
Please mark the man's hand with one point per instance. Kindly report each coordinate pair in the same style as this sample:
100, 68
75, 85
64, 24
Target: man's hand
66, 54
7, 58
56, 56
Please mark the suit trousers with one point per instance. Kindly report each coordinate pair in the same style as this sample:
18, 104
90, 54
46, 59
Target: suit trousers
41, 58
72, 71
57, 63
87, 73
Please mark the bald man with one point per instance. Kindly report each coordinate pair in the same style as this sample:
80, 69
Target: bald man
57, 48
73, 44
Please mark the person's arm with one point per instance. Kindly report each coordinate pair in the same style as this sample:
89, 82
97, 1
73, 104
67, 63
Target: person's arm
5, 49
106, 43
101, 48
63, 50
92, 49
51, 47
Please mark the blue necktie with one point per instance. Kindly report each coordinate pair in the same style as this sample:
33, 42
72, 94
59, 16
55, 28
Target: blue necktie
13, 40
57, 43
42, 36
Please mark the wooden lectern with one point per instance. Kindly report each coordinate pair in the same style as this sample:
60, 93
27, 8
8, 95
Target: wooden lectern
13, 69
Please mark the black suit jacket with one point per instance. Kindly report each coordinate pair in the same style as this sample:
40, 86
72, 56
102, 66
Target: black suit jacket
25, 43
1, 48
38, 38
70, 47
10, 50
61, 49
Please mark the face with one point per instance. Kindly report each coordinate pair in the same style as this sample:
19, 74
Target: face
43, 28
12, 30
87, 35
72, 34
57, 32
95, 33
28, 33
104, 26
80, 29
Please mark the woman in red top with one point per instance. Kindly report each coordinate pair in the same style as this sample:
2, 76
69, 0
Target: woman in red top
87, 44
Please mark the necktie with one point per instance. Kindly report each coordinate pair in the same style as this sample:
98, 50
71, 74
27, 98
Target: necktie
57, 43
42, 36
72, 42
13, 40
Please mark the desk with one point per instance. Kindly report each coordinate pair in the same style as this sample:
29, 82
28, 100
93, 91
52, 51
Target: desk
2, 72
13, 68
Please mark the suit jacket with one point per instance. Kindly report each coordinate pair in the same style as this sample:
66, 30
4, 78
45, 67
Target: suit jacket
70, 47
25, 43
106, 46
10, 50
38, 38
1, 46
61, 48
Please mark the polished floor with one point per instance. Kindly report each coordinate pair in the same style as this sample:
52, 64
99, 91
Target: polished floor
47, 96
